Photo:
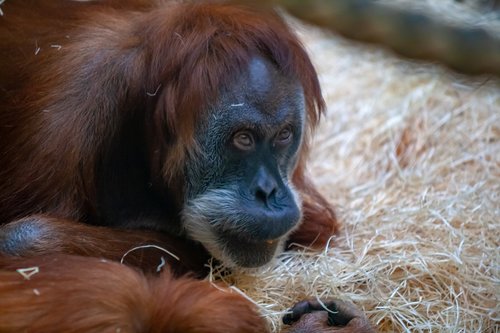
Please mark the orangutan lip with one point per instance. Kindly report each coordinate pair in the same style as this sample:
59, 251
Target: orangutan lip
245, 252
247, 241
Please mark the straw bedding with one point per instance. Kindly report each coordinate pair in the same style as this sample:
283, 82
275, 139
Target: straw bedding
409, 154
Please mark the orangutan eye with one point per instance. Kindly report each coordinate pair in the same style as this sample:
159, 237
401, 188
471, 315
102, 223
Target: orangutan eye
244, 140
284, 137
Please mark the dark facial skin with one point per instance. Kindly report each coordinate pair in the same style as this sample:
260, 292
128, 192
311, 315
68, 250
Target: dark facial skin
239, 201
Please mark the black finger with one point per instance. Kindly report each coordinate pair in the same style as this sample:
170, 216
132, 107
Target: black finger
296, 312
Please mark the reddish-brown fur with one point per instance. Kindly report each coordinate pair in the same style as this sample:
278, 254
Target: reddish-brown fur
71, 75
79, 294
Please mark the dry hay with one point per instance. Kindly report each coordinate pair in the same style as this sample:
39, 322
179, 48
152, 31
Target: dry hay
410, 155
